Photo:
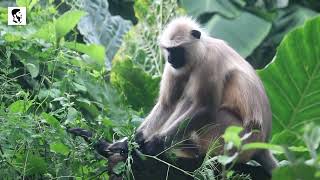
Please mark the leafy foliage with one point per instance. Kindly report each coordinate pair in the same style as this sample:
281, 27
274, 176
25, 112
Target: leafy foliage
52, 79
139, 89
141, 43
67, 22
99, 27
294, 96
247, 38
254, 28
47, 86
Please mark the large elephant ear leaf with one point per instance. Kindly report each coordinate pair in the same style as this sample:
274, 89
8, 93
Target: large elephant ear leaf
292, 82
100, 27
226, 8
236, 32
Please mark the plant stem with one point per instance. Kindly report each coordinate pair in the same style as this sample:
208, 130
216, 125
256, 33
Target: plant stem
170, 165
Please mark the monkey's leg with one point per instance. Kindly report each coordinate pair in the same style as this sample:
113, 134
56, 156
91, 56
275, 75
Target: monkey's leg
263, 157
226, 118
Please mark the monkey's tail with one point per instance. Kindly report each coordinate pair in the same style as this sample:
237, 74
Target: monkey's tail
266, 160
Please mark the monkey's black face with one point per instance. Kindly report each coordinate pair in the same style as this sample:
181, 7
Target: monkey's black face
176, 57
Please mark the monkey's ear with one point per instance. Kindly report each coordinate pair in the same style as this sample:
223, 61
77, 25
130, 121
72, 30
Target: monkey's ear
196, 34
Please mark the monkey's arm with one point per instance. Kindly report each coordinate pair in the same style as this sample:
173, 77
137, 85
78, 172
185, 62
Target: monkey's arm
152, 123
192, 115
101, 146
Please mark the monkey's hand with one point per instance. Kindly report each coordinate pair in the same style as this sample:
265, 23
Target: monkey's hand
101, 146
151, 146
85, 134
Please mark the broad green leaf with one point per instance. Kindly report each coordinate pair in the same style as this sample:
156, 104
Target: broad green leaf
282, 3
286, 20
298, 149
139, 88
67, 22
88, 106
46, 32
286, 137
96, 52
224, 159
292, 81
23, 3
51, 120
103, 28
12, 37
197, 8
232, 135
312, 138
258, 145
79, 87
33, 69
30, 62
20, 106
294, 172
72, 114
244, 33
60, 148
26, 3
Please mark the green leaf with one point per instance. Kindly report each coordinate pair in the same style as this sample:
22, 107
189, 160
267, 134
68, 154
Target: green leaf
79, 87
33, 69
23, 3
20, 106
258, 145
26, 3
224, 160
294, 172
244, 33
46, 32
312, 138
103, 29
12, 37
60, 148
119, 168
72, 114
51, 120
292, 81
34, 164
298, 149
231, 135
96, 52
67, 22
139, 89
197, 8
286, 137
31, 63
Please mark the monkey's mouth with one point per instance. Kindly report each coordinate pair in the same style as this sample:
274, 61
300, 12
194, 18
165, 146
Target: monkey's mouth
176, 64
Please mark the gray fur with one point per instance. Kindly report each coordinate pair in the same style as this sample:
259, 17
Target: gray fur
217, 80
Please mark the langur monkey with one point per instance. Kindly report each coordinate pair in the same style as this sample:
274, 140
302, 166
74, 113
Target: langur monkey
211, 87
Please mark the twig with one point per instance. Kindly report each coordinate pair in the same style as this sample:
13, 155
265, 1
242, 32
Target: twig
171, 165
